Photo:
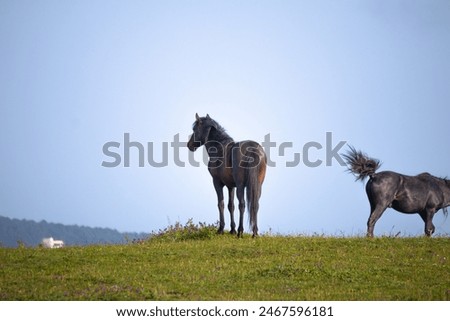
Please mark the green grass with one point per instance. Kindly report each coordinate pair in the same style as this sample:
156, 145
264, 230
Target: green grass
193, 263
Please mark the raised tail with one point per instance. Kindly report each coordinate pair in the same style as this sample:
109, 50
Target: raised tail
360, 164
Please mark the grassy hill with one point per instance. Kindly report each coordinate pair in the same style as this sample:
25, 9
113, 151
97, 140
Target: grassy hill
193, 263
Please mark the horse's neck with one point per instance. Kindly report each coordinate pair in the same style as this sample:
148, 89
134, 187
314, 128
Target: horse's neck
218, 142
218, 149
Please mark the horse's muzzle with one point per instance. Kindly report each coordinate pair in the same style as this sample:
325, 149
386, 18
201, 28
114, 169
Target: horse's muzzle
192, 145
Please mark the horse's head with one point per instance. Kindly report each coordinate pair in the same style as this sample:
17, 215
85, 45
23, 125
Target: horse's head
201, 128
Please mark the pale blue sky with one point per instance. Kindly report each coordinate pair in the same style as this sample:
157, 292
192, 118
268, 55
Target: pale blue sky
77, 74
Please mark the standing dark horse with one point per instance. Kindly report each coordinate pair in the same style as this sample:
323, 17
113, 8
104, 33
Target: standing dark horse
240, 165
424, 194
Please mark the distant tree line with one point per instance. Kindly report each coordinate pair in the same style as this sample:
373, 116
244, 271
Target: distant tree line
14, 232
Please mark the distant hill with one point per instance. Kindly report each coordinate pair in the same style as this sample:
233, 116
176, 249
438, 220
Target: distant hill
31, 233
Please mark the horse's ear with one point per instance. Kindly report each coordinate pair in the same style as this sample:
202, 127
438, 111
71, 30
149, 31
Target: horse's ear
212, 123
197, 117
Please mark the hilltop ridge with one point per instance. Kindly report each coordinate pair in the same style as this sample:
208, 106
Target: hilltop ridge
30, 233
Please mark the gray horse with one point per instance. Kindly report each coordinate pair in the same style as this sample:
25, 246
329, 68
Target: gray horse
424, 194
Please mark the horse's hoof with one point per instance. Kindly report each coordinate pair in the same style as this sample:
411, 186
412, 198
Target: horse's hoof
233, 232
220, 231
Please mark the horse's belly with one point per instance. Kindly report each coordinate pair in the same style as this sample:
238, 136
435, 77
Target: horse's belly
229, 184
224, 175
405, 206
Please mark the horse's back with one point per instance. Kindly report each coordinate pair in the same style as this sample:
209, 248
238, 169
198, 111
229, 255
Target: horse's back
385, 177
250, 153
248, 157
388, 180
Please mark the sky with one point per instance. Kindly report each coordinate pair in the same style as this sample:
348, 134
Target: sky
76, 75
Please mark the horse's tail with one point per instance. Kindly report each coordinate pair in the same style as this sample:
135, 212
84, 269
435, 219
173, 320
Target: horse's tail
253, 193
360, 164
255, 178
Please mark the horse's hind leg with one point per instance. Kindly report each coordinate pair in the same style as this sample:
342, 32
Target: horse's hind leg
220, 204
240, 196
375, 213
231, 209
254, 209
427, 217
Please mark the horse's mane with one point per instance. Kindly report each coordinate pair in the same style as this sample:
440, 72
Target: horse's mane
219, 133
446, 181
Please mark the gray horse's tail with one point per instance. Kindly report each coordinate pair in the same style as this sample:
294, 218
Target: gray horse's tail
360, 164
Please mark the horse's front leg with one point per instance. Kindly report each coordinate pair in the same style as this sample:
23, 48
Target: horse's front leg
220, 204
427, 217
231, 209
